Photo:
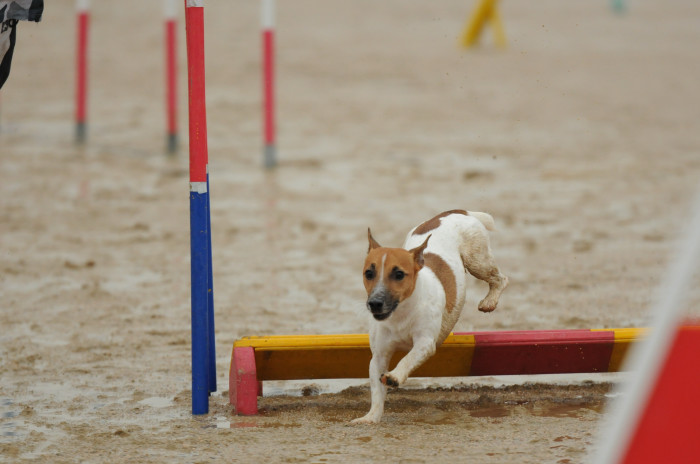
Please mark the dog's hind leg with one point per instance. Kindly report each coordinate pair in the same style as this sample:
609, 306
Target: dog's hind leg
478, 260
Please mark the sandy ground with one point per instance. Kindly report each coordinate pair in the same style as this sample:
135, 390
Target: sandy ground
581, 139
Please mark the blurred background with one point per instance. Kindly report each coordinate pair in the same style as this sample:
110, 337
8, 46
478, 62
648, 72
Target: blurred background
580, 137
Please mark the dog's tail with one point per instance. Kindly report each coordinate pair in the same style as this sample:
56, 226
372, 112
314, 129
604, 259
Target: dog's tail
485, 218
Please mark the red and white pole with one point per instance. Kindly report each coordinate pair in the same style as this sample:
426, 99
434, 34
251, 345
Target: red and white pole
82, 7
268, 38
171, 74
657, 416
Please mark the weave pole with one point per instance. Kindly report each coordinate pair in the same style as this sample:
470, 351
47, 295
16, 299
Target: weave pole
203, 343
268, 62
171, 74
83, 17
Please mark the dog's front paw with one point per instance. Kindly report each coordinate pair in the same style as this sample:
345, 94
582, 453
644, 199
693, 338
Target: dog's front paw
389, 380
368, 419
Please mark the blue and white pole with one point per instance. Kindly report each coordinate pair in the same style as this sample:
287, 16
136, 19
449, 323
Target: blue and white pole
203, 343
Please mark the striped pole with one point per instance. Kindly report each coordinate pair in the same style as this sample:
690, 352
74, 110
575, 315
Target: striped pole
200, 238
82, 7
171, 74
631, 416
268, 39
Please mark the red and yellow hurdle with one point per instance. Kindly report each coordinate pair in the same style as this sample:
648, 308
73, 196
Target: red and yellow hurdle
298, 357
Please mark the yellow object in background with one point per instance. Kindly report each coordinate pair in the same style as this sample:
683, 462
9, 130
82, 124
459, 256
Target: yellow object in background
485, 11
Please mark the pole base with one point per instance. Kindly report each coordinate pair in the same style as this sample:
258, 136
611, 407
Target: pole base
80, 132
171, 144
270, 156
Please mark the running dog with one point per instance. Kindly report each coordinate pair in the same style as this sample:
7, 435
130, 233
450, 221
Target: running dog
415, 294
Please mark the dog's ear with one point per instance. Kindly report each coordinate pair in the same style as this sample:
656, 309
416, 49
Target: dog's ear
417, 253
372, 242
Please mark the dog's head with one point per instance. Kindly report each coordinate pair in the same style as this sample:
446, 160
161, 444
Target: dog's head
390, 276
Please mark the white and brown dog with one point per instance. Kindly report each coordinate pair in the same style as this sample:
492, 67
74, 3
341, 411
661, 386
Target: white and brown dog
415, 294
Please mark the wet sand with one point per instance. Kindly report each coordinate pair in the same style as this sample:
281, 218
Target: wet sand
580, 139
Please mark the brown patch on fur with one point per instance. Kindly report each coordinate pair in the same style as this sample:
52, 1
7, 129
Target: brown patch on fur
447, 278
434, 223
404, 261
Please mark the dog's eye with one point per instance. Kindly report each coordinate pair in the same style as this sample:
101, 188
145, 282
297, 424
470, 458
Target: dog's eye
399, 275
369, 274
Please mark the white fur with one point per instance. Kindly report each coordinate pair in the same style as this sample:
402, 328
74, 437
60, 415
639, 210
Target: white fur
421, 322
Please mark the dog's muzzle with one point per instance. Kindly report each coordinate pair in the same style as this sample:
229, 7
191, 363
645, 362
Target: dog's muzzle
381, 306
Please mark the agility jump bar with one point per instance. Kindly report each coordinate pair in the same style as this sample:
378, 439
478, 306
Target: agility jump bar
299, 357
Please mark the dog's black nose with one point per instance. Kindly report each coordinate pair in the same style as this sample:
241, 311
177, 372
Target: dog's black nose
375, 305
